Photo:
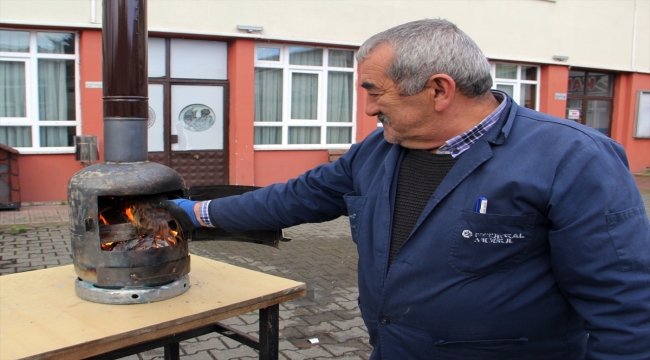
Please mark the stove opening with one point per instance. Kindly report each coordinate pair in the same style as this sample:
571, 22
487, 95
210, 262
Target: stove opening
132, 223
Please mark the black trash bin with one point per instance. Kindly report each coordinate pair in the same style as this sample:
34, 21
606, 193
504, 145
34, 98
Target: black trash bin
9, 181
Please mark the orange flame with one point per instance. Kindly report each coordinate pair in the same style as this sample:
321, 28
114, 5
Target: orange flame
129, 212
103, 219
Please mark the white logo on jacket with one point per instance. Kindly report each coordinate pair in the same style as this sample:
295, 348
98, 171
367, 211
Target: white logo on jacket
492, 238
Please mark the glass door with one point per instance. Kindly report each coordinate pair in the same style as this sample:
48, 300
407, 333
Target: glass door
590, 99
188, 99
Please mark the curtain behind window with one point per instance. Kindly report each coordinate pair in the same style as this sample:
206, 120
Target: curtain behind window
268, 105
339, 97
54, 98
304, 96
305, 56
12, 89
13, 103
339, 106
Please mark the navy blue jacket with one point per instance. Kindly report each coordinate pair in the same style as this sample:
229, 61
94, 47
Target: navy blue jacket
558, 267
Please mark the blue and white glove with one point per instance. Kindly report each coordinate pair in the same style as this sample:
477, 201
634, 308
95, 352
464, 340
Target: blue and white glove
183, 211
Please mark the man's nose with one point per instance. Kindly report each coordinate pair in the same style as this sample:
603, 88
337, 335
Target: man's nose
372, 109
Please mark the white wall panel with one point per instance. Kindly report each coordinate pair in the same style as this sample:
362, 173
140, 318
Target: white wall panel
596, 34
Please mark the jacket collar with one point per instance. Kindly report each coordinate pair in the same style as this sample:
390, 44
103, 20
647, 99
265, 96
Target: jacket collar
500, 131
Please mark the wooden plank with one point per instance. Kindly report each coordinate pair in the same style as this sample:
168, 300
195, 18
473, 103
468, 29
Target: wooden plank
42, 317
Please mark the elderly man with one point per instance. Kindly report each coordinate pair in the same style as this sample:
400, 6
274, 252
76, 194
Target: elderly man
485, 230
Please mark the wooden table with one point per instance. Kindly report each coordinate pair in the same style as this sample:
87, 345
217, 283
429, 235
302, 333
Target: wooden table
42, 317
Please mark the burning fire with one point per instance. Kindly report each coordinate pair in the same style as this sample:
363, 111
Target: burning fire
129, 212
138, 226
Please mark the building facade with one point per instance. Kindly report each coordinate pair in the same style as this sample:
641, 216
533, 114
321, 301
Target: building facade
257, 92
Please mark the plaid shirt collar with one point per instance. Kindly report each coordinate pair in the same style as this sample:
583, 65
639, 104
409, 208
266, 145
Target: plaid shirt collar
461, 143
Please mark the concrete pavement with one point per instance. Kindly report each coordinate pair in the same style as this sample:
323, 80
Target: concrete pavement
321, 255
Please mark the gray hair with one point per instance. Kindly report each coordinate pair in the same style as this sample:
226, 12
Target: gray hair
432, 46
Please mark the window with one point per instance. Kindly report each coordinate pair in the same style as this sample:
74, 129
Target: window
304, 97
642, 121
590, 98
519, 81
38, 90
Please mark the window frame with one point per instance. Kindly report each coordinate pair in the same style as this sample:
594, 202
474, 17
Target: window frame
516, 82
31, 92
321, 121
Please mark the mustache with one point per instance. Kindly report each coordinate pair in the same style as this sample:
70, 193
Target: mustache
383, 118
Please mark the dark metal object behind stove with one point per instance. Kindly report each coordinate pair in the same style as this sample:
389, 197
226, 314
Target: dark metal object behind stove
202, 193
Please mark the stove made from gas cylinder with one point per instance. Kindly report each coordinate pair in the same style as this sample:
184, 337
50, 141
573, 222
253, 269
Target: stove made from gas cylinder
124, 249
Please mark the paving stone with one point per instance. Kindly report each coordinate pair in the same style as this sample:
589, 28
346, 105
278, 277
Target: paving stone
349, 304
238, 352
349, 314
353, 333
249, 329
347, 348
195, 347
348, 324
317, 330
157, 353
250, 318
286, 345
203, 355
230, 343
310, 353
320, 318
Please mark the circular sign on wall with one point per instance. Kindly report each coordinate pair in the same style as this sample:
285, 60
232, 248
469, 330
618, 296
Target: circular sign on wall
152, 117
197, 117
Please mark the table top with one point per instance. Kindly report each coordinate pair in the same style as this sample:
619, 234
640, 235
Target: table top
41, 316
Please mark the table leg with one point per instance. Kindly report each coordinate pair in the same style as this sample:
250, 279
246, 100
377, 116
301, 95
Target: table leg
172, 351
269, 332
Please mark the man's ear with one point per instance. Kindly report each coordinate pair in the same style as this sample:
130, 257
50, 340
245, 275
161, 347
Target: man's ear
441, 88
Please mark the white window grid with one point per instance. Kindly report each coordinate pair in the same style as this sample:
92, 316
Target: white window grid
321, 121
31, 97
516, 95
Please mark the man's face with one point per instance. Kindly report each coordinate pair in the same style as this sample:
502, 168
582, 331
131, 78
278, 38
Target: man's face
407, 120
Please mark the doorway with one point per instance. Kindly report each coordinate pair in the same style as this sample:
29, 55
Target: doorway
188, 97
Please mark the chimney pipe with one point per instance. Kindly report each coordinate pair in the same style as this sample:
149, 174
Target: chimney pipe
125, 80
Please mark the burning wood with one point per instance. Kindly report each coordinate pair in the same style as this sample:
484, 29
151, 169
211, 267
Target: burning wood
138, 226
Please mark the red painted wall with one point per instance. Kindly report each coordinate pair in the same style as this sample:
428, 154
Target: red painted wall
44, 177
241, 73
90, 48
553, 80
281, 165
623, 116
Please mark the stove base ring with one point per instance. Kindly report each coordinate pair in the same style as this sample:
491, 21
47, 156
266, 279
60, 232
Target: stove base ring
131, 294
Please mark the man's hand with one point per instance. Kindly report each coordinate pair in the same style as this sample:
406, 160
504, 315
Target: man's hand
184, 211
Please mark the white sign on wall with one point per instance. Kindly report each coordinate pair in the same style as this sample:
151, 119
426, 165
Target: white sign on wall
573, 114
